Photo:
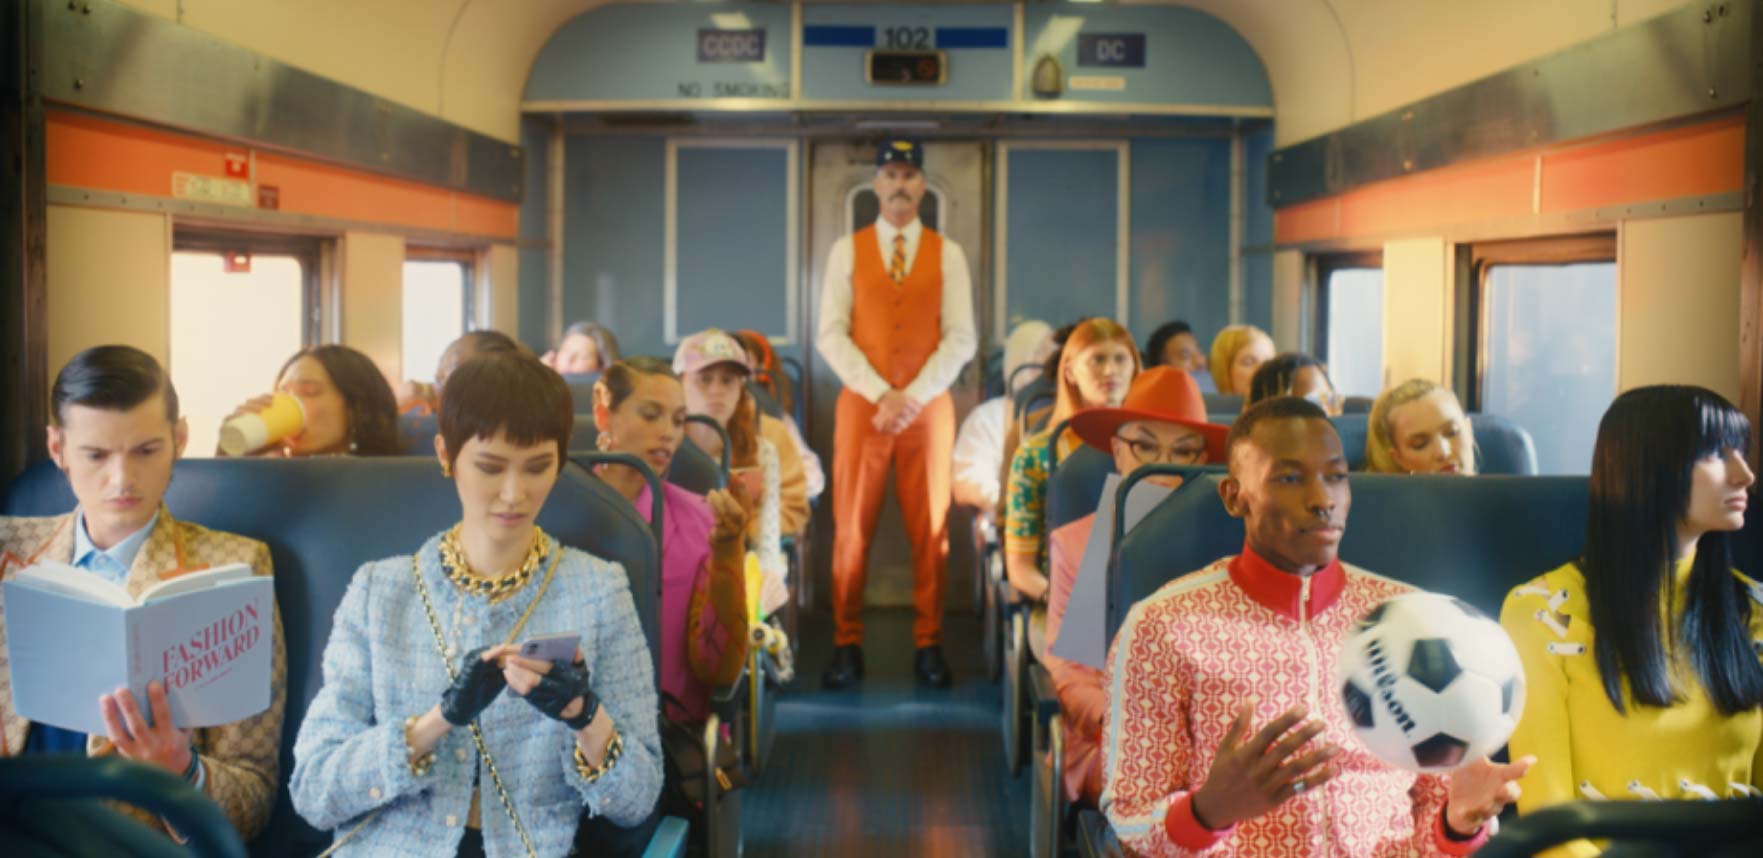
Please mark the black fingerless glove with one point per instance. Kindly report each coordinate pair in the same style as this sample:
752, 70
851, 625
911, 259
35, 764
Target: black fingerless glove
474, 688
559, 688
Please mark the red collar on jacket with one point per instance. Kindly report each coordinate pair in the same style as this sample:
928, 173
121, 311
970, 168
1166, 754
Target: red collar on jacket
1278, 590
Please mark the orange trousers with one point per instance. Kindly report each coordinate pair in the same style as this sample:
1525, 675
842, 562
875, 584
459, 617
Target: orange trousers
920, 456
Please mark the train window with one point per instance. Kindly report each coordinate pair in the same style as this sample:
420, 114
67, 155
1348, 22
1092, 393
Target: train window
217, 362
437, 291
1548, 356
1352, 341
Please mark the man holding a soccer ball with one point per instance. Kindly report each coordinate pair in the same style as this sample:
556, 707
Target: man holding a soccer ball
1225, 730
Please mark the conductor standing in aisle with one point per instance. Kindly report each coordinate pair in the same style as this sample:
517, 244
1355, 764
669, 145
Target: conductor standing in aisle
896, 326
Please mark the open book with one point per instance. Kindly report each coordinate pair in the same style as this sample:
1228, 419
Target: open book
74, 637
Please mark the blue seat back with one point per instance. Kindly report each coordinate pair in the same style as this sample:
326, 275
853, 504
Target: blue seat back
1502, 447
1474, 538
1352, 428
1223, 403
581, 389
322, 518
1074, 489
417, 432
767, 403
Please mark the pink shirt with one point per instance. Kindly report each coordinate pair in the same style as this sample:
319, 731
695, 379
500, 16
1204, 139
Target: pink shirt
685, 567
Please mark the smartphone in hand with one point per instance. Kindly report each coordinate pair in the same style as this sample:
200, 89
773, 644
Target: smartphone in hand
559, 648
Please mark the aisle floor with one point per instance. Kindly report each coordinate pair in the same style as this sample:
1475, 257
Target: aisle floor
888, 769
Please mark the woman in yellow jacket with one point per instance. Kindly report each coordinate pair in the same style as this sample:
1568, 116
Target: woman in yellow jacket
1644, 658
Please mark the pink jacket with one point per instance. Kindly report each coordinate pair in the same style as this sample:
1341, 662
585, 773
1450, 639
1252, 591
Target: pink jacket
1241, 629
686, 611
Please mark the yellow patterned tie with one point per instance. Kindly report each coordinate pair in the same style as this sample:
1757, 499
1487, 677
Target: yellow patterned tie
897, 266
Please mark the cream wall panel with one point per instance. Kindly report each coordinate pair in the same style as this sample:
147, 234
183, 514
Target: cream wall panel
108, 281
1416, 310
373, 299
1290, 321
499, 300
1680, 302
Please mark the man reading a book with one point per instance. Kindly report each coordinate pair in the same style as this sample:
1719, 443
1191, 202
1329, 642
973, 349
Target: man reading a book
116, 433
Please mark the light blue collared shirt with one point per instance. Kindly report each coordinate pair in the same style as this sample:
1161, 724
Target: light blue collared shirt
111, 564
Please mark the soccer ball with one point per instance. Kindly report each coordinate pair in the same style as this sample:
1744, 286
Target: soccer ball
1430, 683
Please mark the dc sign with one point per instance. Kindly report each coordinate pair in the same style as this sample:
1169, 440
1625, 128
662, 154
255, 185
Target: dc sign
731, 46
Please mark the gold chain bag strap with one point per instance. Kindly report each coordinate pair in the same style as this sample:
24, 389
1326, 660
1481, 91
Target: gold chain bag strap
477, 735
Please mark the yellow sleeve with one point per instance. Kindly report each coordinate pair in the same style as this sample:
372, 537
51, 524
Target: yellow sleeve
792, 478
1543, 728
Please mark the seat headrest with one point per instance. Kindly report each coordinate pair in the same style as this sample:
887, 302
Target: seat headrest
1474, 538
1502, 446
1352, 428
1223, 403
767, 403
581, 389
1074, 489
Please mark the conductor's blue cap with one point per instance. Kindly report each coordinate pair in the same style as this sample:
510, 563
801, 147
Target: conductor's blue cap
899, 150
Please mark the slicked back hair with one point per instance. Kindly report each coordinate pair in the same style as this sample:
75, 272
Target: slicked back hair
511, 394
113, 378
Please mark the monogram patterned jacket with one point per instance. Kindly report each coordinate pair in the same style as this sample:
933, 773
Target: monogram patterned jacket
240, 759
1185, 660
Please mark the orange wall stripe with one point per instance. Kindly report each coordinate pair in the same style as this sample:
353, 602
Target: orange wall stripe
87, 152
1707, 158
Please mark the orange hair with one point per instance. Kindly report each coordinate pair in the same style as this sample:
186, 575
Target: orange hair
1087, 333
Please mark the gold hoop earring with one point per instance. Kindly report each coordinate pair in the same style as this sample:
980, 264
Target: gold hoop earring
604, 442
446, 470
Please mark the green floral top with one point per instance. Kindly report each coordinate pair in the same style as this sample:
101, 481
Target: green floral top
1025, 507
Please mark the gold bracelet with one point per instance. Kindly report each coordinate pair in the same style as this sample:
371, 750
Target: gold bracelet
419, 766
614, 749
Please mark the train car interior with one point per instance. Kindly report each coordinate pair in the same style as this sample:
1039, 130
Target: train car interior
910, 367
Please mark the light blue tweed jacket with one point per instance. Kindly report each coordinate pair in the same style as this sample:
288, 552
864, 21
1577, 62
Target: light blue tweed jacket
381, 666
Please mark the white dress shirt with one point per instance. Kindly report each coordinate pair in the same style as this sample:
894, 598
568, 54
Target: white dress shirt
979, 447
833, 337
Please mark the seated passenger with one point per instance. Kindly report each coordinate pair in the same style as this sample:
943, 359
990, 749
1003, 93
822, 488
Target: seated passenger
1641, 664
766, 373
1162, 421
1417, 427
585, 347
979, 447
714, 368
1096, 365
425, 644
1174, 344
1208, 741
1037, 411
116, 434
1237, 352
347, 406
640, 409
417, 397
1294, 374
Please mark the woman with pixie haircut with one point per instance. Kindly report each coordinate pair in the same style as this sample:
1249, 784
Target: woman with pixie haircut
411, 746
1643, 671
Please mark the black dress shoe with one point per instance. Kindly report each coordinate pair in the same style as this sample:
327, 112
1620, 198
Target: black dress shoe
932, 669
846, 669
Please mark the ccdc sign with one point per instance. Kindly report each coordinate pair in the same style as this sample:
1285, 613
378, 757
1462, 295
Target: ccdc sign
731, 46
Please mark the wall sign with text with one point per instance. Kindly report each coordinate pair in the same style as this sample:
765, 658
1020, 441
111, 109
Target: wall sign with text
731, 46
1111, 50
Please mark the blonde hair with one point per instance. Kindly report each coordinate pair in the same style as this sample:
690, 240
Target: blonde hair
1380, 435
1233, 339
1088, 333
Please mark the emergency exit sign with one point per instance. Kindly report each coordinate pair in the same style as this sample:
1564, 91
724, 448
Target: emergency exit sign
1111, 50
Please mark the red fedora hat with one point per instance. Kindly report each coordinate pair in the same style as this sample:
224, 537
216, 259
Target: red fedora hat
1162, 394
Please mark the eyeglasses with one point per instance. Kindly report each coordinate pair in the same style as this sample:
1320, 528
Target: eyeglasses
1146, 452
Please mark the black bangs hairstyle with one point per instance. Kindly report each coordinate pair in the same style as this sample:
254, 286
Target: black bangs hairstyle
512, 394
373, 410
1153, 354
1275, 377
112, 378
1648, 442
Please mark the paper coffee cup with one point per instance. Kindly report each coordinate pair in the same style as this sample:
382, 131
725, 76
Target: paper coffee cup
249, 433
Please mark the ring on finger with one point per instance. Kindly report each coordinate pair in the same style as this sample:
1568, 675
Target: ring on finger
1298, 786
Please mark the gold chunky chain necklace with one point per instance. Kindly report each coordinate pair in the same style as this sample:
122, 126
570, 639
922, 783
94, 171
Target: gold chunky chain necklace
494, 589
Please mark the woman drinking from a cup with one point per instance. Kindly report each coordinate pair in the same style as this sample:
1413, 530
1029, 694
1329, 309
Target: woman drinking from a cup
329, 400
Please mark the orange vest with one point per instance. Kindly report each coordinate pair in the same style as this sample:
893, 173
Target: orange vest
897, 325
